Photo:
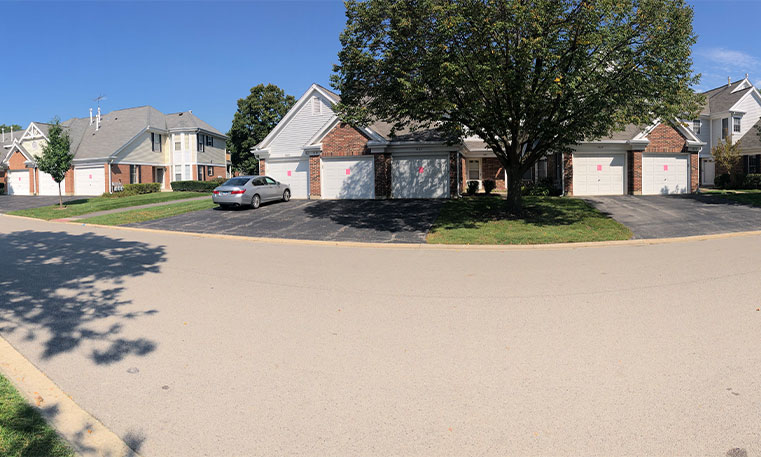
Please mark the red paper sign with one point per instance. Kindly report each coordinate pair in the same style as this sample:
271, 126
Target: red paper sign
289, 172
665, 168
599, 168
90, 176
348, 171
420, 170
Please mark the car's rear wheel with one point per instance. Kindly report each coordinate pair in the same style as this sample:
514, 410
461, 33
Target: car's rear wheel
256, 201
286, 195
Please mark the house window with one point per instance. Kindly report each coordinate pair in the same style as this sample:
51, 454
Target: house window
187, 174
187, 141
177, 145
155, 142
696, 127
542, 168
316, 106
724, 128
200, 143
209, 140
474, 170
754, 164
134, 174
736, 124
200, 172
211, 170
178, 172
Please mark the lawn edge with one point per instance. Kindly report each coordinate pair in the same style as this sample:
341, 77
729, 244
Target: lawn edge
87, 436
85, 220
420, 246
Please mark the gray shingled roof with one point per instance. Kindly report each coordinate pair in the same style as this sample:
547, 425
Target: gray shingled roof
188, 120
721, 98
628, 133
751, 140
8, 138
337, 97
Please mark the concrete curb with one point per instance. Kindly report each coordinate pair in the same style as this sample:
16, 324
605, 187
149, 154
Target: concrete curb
86, 434
420, 246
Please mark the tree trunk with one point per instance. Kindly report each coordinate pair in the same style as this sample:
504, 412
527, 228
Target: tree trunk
60, 198
514, 199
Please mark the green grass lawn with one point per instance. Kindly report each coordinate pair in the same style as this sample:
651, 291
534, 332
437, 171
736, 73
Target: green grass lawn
91, 205
23, 431
747, 197
485, 220
149, 214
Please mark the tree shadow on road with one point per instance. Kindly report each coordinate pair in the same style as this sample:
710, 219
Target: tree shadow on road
61, 288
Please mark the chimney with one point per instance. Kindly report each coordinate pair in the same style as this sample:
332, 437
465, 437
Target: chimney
90, 116
3, 134
729, 80
97, 121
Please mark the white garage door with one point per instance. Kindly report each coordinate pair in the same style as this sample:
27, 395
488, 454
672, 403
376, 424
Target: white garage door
295, 173
598, 174
421, 176
348, 177
18, 182
89, 180
48, 186
665, 174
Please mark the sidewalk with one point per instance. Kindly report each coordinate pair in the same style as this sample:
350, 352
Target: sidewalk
130, 208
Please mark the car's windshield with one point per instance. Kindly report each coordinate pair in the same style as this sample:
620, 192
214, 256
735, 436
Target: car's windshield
236, 182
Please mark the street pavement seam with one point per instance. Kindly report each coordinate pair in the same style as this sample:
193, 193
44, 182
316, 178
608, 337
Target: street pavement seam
86, 434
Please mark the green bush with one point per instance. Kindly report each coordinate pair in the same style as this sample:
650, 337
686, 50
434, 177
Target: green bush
721, 181
196, 186
472, 187
752, 181
489, 185
542, 188
135, 189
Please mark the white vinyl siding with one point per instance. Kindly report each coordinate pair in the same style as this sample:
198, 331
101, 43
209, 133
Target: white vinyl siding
213, 154
751, 106
300, 129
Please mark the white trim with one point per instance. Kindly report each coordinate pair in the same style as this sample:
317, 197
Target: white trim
39, 130
742, 99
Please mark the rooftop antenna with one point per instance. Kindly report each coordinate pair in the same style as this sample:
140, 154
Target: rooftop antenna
98, 99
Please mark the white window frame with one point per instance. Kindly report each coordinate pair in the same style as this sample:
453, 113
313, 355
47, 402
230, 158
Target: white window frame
316, 106
736, 124
480, 170
696, 127
724, 130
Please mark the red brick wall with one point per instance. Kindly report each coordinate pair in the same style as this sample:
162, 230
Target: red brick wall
463, 174
492, 169
344, 140
694, 173
69, 183
119, 174
262, 167
568, 174
194, 172
634, 172
453, 181
382, 175
314, 176
16, 161
2, 180
665, 138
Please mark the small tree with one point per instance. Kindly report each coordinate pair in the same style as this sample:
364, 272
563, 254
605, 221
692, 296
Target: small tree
56, 157
727, 155
257, 115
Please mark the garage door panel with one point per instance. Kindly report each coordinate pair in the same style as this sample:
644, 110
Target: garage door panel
89, 180
18, 182
665, 174
348, 178
598, 174
420, 176
295, 173
48, 186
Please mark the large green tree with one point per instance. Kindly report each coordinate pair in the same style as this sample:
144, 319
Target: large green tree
530, 77
9, 127
257, 115
56, 156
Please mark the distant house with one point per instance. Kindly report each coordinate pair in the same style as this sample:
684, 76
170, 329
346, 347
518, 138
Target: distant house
322, 157
134, 145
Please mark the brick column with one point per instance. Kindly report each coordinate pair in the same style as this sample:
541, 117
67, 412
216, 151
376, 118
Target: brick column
314, 176
382, 175
694, 173
636, 173
453, 181
568, 174
262, 168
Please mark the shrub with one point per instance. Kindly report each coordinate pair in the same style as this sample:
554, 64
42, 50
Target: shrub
489, 185
472, 187
721, 181
542, 188
196, 186
135, 189
752, 181
738, 181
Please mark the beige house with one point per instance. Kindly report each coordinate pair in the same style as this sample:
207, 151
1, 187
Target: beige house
134, 145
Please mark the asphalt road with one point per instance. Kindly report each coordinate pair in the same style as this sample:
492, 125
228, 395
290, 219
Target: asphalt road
206, 347
673, 216
16, 202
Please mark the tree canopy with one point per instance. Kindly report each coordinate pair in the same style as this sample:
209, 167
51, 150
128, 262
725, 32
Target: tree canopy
257, 115
9, 127
528, 77
56, 157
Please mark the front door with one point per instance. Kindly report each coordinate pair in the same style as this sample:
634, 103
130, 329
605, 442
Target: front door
707, 172
160, 176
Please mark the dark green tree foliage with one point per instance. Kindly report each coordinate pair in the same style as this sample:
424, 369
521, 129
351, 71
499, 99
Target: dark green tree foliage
56, 157
257, 115
8, 127
530, 77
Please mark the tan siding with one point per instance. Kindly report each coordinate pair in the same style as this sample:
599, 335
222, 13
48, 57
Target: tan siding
139, 151
213, 154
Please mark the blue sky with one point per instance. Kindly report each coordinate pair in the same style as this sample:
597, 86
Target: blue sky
205, 55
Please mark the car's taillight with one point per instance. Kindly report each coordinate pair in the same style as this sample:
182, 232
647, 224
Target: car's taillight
235, 192
216, 192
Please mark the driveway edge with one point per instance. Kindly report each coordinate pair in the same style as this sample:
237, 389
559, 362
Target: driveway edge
406, 246
86, 434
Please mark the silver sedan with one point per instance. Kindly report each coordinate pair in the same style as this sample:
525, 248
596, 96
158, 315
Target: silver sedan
250, 191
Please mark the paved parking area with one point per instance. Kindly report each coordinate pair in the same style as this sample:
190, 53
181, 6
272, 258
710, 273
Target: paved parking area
659, 216
384, 221
16, 202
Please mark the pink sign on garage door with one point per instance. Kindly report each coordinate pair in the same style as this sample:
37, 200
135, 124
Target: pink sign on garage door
348, 171
665, 168
289, 172
599, 168
420, 170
